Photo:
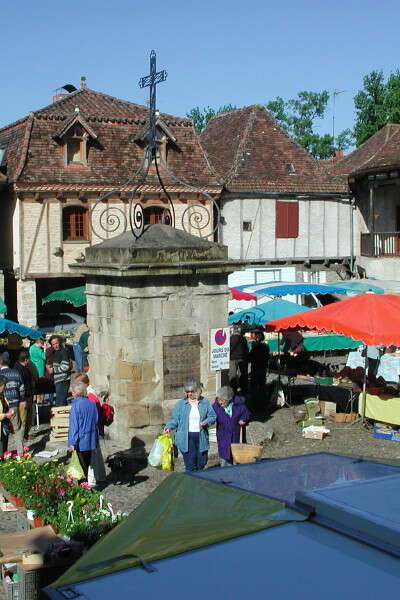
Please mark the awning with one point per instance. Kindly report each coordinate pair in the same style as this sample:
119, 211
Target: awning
21, 330
75, 296
319, 343
287, 288
239, 295
3, 307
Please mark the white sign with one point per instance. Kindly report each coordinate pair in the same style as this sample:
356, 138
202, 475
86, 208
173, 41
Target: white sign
219, 348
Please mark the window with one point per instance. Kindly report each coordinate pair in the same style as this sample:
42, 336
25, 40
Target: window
75, 146
247, 226
287, 220
75, 223
156, 214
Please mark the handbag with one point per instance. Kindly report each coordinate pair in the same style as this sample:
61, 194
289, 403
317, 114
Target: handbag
6, 428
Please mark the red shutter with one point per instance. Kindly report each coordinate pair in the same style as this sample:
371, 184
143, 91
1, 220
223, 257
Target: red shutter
287, 219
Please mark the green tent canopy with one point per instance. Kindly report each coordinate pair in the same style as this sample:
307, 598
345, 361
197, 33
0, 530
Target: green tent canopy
75, 296
183, 513
317, 343
3, 307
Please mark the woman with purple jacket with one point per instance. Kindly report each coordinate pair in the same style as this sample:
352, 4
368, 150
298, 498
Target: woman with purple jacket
232, 414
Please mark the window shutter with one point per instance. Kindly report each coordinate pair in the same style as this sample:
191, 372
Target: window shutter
287, 219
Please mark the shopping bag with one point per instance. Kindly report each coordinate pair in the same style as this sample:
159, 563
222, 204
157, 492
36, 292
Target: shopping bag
167, 444
155, 454
74, 467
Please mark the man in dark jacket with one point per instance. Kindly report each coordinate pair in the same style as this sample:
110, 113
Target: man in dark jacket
15, 395
238, 359
22, 366
258, 359
60, 369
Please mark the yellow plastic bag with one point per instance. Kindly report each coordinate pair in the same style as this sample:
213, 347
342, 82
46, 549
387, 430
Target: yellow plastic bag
167, 463
74, 467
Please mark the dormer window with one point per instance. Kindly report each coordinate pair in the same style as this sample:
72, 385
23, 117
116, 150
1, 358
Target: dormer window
74, 137
75, 146
164, 140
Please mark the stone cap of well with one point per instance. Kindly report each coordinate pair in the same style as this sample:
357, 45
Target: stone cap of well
160, 248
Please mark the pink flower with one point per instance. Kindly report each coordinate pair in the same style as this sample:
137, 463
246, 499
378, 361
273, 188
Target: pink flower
62, 492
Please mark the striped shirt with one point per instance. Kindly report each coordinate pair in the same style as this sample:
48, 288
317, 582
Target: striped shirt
14, 390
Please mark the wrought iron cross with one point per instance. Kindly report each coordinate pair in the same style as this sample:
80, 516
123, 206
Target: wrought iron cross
151, 82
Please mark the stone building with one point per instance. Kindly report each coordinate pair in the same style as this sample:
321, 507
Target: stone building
58, 162
281, 210
373, 172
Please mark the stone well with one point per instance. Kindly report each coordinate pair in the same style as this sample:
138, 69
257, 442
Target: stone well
151, 303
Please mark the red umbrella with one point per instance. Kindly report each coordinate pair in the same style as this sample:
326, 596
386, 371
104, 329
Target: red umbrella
239, 295
374, 319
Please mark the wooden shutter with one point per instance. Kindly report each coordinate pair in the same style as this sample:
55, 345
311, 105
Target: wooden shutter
287, 219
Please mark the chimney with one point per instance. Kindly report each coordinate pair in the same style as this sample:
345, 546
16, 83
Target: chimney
58, 97
337, 155
83, 82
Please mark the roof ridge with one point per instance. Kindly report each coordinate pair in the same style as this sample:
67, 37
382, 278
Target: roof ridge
18, 122
213, 172
235, 164
388, 136
25, 146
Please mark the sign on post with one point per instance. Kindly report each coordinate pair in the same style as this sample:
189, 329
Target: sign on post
219, 348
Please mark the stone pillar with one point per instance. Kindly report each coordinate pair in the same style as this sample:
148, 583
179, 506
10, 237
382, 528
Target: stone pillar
150, 306
26, 302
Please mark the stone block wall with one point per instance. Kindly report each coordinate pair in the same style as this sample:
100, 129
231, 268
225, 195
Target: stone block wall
128, 324
26, 299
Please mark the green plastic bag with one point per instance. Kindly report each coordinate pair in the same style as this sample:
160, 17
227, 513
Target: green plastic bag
74, 467
166, 442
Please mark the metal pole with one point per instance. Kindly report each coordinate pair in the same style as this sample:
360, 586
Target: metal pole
364, 392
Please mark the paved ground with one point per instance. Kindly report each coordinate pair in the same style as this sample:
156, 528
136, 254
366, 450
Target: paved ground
128, 487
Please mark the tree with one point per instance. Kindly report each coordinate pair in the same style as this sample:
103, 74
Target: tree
370, 107
377, 104
201, 116
298, 115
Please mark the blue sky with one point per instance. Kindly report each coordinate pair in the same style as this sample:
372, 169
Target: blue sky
216, 52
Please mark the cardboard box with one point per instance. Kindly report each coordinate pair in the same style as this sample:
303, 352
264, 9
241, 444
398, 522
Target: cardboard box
328, 409
346, 417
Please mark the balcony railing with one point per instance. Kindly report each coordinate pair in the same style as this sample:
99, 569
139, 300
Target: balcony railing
384, 243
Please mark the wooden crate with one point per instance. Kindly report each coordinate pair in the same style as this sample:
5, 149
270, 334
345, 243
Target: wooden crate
345, 417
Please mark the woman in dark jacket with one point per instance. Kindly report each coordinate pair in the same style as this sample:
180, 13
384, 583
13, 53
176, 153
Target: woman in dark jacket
232, 414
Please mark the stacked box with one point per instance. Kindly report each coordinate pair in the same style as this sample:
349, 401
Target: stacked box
59, 423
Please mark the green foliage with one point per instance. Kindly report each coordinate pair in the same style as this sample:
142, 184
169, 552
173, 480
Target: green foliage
377, 104
201, 116
298, 115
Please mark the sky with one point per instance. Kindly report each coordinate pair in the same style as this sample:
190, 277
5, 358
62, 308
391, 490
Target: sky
215, 51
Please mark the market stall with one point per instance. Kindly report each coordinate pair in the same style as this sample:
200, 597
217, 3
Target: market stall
373, 319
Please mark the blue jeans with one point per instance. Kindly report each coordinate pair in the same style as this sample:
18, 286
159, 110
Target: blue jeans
78, 356
194, 459
62, 389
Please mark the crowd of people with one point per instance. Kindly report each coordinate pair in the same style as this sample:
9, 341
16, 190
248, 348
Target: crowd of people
43, 369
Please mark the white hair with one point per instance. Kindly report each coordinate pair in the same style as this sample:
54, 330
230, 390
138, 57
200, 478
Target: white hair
79, 388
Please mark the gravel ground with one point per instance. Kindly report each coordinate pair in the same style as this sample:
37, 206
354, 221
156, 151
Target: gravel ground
128, 487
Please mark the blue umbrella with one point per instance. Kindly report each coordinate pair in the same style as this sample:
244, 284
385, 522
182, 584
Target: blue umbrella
285, 288
267, 311
25, 332
357, 286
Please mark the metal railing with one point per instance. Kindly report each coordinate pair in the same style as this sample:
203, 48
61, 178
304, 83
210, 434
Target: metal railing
384, 243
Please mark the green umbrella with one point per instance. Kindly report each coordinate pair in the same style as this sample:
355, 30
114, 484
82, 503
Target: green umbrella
75, 296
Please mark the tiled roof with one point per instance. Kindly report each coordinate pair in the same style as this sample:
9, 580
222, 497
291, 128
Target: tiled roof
251, 152
380, 151
35, 157
93, 188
